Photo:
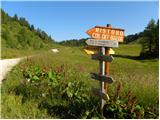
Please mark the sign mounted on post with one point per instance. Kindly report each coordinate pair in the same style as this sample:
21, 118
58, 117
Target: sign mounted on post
104, 78
106, 33
100, 44
104, 43
90, 50
100, 57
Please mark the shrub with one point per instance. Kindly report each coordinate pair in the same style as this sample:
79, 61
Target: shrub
63, 94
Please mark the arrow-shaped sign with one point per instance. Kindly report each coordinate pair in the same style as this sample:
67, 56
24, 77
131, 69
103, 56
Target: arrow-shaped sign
100, 57
104, 78
104, 43
106, 33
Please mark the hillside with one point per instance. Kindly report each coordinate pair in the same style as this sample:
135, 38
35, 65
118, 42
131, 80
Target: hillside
17, 33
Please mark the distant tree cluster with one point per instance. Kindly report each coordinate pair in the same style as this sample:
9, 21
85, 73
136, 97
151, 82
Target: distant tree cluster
74, 42
18, 33
150, 40
131, 38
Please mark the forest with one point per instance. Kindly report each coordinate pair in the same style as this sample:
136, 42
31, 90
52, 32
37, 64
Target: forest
17, 33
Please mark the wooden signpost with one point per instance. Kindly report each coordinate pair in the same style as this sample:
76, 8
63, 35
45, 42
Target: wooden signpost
104, 43
106, 33
90, 50
104, 38
103, 78
108, 58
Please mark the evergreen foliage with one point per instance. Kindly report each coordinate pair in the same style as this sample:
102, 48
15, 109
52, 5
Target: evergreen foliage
150, 42
74, 42
131, 38
149, 39
18, 33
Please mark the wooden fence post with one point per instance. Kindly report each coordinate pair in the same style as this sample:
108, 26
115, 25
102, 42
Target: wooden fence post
106, 71
102, 72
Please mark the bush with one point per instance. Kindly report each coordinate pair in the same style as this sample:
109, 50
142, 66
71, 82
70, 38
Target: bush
63, 94
57, 91
124, 107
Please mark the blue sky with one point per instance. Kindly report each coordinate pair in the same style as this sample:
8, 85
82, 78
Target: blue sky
70, 20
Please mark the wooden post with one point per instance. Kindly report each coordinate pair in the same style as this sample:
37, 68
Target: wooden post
100, 40
106, 71
102, 72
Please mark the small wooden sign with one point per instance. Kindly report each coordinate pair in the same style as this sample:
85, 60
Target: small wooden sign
104, 78
98, 92
107, 58
90, 50
106, 33
104, 43
111, 51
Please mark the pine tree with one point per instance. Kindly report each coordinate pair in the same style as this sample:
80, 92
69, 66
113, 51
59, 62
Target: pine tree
150, 42
15, 17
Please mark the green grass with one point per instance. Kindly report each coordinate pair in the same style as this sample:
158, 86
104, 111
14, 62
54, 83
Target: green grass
12, 108
139, 76
7, 53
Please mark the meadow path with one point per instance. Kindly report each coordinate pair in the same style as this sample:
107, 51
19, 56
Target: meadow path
7, 64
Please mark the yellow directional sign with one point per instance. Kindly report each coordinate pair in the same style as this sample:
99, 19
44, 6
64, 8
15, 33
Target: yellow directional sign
111, 51
90, 50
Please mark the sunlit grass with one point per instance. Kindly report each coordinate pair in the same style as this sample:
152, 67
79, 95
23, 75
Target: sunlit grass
139, 76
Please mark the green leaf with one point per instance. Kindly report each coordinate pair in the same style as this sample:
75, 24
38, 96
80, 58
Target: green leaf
87, 113
69, 93
50, 75
35, 78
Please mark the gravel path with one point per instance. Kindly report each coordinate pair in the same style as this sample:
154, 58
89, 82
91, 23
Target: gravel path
6, 66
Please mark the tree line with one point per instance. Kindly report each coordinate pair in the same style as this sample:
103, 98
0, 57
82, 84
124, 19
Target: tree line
17, 33
148, 38
74, 42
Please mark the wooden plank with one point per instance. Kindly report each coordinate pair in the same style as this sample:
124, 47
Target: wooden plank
95, 49
102, 72
103, 43
107, 58
106, 33
106, 71
105, 27
104, 78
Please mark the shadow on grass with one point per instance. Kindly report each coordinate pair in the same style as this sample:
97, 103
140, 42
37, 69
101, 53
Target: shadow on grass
61, 111
73, 109
129, 57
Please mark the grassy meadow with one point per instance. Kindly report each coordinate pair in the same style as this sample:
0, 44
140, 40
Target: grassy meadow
7, 53
62, 99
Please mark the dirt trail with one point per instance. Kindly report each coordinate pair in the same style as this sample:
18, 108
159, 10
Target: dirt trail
6, 65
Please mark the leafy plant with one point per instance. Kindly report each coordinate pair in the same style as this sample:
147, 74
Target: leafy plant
63, 94
123, 107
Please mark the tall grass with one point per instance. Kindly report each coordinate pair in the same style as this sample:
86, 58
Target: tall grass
139, 76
